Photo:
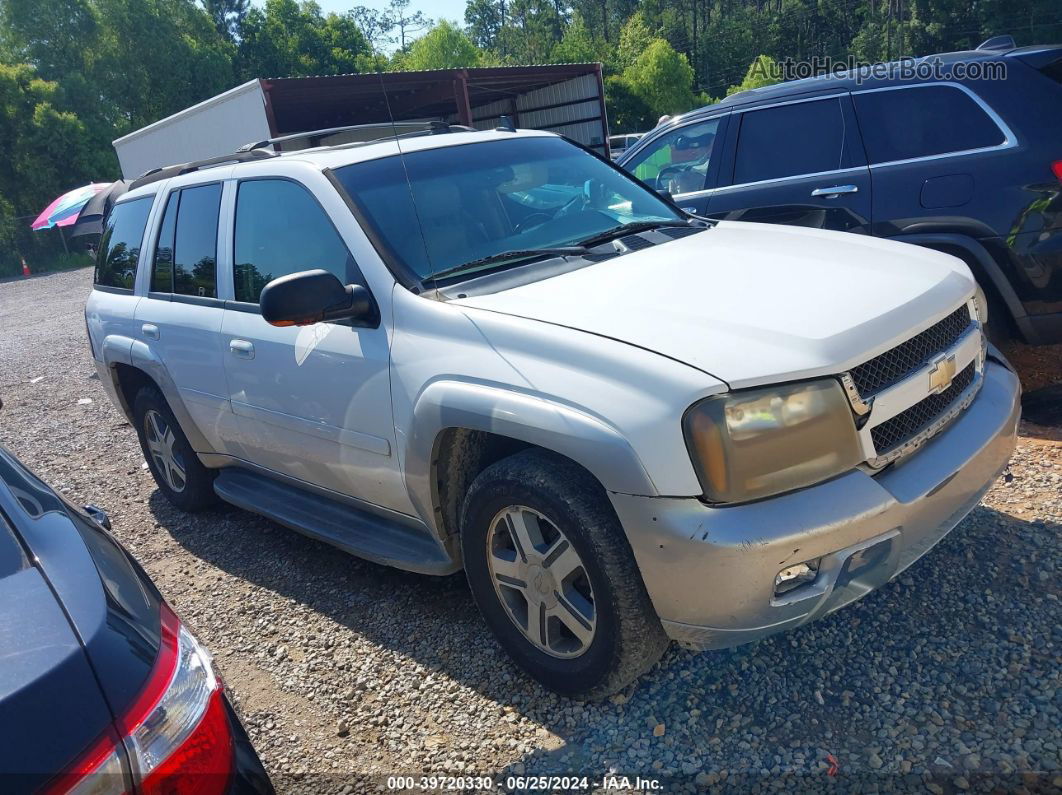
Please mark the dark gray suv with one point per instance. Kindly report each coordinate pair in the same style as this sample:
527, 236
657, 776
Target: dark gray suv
963, 155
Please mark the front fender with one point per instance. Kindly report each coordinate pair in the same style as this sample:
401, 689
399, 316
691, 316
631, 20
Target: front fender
537, 420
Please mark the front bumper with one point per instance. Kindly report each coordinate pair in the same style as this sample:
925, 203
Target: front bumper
710, 571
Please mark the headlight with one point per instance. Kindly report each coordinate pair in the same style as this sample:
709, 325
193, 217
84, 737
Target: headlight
981, 305
755, 443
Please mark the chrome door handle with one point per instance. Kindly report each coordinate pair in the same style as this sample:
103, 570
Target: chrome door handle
241, 348
835, 191
151, 331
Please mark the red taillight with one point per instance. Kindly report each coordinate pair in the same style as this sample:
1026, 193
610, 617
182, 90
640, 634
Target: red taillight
176, 733
1057, 168
98, 770
201, 764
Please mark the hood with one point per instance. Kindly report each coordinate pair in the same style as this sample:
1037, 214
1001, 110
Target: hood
752, 304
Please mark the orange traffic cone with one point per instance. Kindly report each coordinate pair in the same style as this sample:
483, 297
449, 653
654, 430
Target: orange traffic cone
25, 269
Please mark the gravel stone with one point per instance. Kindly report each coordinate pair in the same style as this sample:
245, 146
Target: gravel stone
961, 648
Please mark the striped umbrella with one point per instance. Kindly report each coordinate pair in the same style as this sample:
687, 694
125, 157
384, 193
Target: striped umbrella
64, 210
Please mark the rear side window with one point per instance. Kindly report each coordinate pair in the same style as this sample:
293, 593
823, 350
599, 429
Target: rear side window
921, 121
790, 140
281, 229
120, 243
162, 268
186, 253
195, 242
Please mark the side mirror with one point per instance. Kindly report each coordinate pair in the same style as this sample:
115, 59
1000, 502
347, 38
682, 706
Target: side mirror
665, 194
300, 299
99, 516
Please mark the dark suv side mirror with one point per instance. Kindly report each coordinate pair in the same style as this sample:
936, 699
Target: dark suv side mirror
300, 299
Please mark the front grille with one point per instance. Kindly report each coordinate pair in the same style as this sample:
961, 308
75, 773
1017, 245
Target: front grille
899, 362
909, 423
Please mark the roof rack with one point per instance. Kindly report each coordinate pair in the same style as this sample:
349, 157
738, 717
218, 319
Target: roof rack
165, 172
998, 43
314, 137
256, 150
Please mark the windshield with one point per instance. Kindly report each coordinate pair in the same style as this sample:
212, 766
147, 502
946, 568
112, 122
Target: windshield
480, 200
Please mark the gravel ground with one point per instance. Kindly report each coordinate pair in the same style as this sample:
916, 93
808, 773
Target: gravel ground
345, 672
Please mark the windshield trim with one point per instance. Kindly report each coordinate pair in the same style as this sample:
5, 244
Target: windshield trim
403, 273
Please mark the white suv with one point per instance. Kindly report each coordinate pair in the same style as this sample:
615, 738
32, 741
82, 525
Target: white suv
495, 351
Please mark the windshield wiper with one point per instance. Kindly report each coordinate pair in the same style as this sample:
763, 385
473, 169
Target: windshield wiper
502, 256
629, 229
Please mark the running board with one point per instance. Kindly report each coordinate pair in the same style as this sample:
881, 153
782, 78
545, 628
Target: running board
355, 531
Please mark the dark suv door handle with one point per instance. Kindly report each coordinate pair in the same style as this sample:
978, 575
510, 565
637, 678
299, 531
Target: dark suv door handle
835, 191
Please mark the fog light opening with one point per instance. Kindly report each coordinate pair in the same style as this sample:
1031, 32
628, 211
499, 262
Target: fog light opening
792, 577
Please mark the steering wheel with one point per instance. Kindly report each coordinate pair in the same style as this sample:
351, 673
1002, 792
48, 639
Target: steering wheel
533, 220
569, 206
667, 173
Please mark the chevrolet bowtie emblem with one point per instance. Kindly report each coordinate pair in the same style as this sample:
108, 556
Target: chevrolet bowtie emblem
941, 374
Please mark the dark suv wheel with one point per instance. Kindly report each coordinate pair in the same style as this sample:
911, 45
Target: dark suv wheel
554, 577
176, 468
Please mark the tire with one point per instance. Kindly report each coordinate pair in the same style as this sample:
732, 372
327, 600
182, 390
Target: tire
618, 635
179, 474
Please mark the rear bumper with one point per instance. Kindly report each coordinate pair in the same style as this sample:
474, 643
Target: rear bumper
249, 776
710, 571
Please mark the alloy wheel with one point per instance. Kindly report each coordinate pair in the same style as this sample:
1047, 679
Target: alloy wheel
160, 441
541, 582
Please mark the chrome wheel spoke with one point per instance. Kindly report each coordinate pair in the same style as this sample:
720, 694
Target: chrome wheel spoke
160, 441
579, 625
562, 560
157, 432
526, 534
509, 572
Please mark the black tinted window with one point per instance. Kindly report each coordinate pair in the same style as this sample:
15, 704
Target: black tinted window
195, 242
788, 140
120, 243
162, 269
921, 121
281, 229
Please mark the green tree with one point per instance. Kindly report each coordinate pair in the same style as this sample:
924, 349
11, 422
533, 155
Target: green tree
532, 29
406, 22
578, 45
46, 152
55, 37
228, 15
627, 111
634, 38
443, 47
289, 39
375, 24
662, 78
485, 19
762, 72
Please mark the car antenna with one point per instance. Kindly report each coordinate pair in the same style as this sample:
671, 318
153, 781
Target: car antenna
402, 160
505, 124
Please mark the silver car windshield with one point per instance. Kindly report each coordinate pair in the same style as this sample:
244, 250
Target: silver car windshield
474, 202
